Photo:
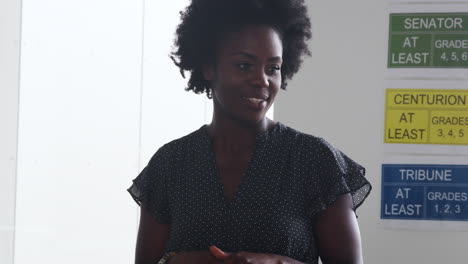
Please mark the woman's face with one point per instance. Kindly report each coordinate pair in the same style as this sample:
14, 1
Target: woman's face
247, 74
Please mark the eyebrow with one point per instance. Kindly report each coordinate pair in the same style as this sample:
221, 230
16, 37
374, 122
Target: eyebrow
251, 56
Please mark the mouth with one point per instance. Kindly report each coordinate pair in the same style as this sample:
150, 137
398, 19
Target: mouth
254, 99
256, 103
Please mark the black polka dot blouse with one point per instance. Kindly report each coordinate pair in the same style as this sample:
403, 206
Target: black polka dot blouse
290, 179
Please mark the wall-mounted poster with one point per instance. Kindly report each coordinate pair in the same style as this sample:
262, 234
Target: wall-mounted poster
424, 180
426, 39
425, 117
424, 192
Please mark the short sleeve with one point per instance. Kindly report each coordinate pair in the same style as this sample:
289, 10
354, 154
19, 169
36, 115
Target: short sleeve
149, 187
337, 175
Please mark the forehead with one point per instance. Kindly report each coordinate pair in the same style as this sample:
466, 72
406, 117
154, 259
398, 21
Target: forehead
258, 40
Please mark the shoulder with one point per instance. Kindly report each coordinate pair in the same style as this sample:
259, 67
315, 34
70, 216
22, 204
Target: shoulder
177, 147
309, 144
327, 172
317, 153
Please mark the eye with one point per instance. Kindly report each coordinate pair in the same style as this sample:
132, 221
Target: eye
244, 66
274, 69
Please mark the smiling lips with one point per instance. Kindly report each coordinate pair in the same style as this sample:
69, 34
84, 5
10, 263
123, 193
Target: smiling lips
254, 99
256, 103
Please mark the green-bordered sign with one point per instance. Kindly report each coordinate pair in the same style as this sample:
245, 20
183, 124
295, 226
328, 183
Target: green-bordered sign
428, 40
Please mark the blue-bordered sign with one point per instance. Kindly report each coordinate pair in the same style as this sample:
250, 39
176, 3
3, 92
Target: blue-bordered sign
424, 192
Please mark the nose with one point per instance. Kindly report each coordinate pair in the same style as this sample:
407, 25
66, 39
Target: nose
260, 79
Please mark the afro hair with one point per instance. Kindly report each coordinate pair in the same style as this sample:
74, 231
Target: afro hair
205, 22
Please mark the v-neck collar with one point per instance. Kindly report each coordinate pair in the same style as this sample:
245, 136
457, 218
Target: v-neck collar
260, 140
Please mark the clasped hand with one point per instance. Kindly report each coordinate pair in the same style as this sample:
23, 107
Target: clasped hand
217, 256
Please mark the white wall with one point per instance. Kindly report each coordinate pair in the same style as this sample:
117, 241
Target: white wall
95, 96
337, 95
10, 17
78, 131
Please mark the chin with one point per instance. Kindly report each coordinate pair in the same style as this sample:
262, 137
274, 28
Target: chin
254, 119
247, 117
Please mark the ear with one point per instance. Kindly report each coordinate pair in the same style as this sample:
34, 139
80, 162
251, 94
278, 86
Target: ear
208, 72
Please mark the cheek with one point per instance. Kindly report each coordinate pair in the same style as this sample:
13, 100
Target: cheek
229, 88
275, 87
278, 81
225, 91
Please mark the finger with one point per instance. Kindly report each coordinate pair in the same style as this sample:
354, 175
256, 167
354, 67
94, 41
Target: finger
218, 253
235, 259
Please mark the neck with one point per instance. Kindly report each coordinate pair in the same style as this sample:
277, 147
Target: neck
233, 134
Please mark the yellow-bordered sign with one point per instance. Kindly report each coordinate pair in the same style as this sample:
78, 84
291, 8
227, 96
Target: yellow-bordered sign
426, 116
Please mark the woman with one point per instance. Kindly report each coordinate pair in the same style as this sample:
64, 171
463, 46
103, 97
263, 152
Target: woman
246, 189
